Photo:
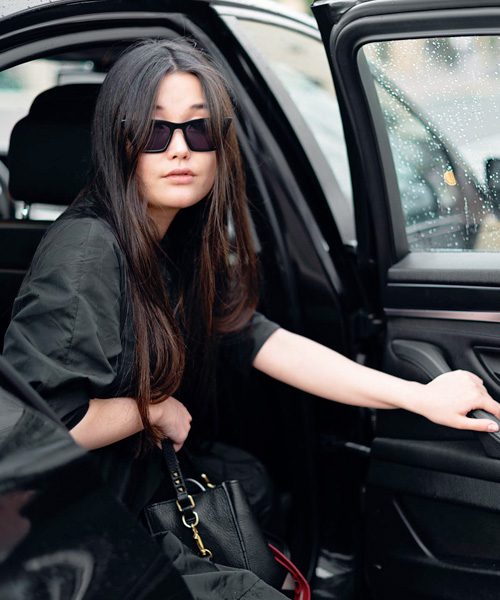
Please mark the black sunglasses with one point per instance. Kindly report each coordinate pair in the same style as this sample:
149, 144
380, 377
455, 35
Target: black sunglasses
196, 133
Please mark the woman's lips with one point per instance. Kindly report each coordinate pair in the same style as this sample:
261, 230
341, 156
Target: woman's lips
179, 176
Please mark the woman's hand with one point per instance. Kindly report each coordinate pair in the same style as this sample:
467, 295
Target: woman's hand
173, 420
450, 397
112, 419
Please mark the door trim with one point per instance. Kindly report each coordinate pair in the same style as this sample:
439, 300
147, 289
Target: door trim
456, 315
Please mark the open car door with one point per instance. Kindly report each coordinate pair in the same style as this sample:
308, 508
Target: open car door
419, 89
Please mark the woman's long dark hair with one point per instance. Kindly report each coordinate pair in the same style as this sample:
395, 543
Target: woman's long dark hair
217, 277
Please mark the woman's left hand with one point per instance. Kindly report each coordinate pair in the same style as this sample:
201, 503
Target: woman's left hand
450, 397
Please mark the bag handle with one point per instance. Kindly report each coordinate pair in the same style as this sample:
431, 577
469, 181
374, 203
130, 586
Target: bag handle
185, 502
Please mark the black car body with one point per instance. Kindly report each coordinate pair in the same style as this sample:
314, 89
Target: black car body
412, 508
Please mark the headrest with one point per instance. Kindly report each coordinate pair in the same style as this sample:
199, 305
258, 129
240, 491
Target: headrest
49, 152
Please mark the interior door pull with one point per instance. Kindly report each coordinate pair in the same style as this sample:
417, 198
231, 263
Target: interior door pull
431, 361
490, 359
426, 357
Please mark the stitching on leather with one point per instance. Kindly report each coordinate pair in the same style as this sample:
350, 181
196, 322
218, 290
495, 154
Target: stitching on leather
236, 525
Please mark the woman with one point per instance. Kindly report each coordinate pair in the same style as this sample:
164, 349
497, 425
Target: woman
135, 287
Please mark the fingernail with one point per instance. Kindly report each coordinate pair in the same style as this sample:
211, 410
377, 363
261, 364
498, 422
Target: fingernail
492, 427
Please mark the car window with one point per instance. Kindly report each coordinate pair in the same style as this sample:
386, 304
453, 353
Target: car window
426, 177
299, 62
19, 86
439, 99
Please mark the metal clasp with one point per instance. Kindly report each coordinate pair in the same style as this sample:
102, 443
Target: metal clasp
183, 509
205, 478
202, 551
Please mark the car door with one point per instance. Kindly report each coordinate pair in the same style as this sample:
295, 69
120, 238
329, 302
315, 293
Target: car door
418, 87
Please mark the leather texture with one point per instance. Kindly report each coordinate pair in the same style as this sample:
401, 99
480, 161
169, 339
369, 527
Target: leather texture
227, 525
49, 152
175, 473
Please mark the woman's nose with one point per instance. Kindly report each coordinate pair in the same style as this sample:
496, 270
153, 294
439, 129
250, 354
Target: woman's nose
178, 147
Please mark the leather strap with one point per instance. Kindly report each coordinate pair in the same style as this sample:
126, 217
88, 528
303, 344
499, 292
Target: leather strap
184, 500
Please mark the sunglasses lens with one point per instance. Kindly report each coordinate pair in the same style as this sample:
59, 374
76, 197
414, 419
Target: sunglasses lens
159, 137
196, 133
198, 136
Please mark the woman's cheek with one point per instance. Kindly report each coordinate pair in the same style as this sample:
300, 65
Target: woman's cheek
212, 172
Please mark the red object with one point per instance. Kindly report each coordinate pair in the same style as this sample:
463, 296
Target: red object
302, 589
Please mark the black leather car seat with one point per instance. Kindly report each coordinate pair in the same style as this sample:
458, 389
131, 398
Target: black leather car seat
48, 160
49, 149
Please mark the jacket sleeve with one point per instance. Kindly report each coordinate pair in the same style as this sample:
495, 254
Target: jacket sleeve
241, 347
64, 337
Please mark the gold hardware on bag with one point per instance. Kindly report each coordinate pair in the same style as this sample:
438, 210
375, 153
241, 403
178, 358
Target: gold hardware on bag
196, 520
190, 499
202, 551
207, 480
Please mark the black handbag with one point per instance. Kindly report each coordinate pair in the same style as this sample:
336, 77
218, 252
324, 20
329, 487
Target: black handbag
216, 522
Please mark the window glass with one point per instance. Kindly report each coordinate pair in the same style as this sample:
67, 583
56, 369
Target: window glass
439, 99
299, 61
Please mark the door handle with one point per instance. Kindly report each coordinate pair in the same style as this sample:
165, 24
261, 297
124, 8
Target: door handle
431, 361
426, 357
490, 359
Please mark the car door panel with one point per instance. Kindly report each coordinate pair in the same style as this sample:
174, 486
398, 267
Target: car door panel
432, 497
460, 562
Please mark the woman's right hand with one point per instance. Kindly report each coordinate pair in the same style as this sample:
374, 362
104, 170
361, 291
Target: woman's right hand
173, 419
